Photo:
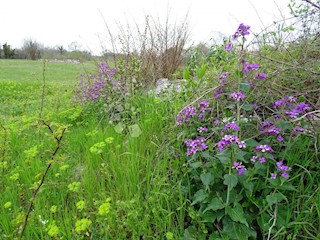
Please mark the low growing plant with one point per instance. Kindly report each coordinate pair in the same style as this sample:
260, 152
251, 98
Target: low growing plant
238, 169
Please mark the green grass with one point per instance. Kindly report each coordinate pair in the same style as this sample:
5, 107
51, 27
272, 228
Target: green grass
133, 172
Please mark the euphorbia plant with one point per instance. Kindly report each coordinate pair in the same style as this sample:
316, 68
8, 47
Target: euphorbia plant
236, 160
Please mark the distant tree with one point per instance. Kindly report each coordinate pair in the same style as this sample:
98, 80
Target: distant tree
31, 49
61, 49
74, 47
7, 51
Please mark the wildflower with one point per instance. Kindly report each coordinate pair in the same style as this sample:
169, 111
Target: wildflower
262, 159
273, 176
81, 205
255, 106
53, 209
279, 138
228, 46
237, 95
241, 31
82, 224
185, 115
232, 126
226, 141
254, 158
218, 92
283, 169
223, 75
216, 122
264, 148
104, 208
202, 129
195, 145
7, 205
261, 76
239, 167
52, 229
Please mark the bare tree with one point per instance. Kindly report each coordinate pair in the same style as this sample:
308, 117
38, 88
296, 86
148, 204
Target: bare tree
31, 48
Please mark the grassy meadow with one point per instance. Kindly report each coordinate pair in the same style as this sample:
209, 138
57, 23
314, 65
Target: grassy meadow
128, 177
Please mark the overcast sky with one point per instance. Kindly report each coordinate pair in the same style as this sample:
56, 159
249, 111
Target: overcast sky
61, 22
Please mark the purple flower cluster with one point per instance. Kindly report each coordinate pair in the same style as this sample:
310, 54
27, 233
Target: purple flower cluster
237, 96
218, 92
282, 170
256, 158
242, 30
202, 129
261, 76
227, 140
284, 102
195, 145
185, 115
299, 108
239, 167
268, 128
249, 67
263, 148
297, 130
92, 88
230, 126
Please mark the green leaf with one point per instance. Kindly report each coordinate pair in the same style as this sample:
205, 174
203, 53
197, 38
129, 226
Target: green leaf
247, 107
199, 196
230, 180
240, 155
215, 205
237, 214
236, 230
275, 198
206, 179
251, 143
201, 71
134, 130
245, 87
186, 73
119, 127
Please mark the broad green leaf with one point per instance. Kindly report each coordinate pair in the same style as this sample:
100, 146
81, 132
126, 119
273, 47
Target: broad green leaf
206, 178
199, 196
237, 230
201, 71
134, 130
214, 205
230, 180
240, 155
247, 107
251, 143
275, 198
245, 87
236, 214
119, 127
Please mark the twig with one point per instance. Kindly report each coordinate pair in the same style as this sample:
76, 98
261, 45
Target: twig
311, 3
274, 222
54, 153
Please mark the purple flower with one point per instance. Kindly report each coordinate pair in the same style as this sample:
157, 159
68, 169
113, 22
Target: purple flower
230, 126
279, 103
281, 167
203, 104
299, 129
285, 175
263, 148
216, 122
227, 140
261, 76
195, 145
273, 176
218, 92
228, 46
262, 159
202, 129
185, 115
254, 158
248, 67
279, 138
241, 31
239, 167
255, 106
223, 75
237, 95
